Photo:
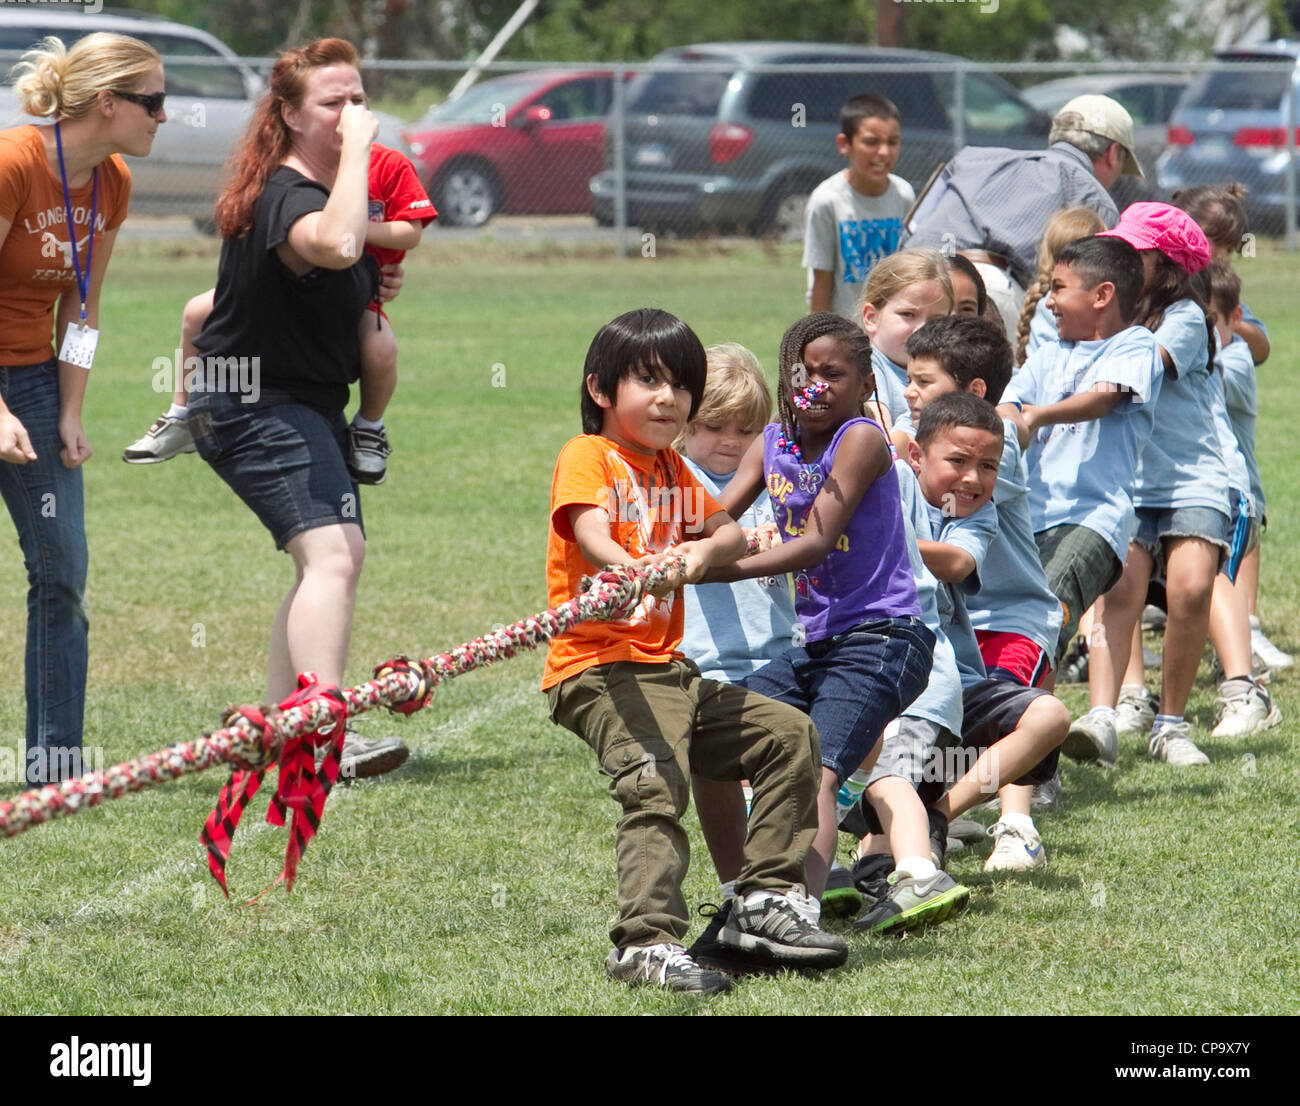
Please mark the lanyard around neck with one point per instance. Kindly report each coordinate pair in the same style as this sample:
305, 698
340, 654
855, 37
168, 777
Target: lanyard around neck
83, 280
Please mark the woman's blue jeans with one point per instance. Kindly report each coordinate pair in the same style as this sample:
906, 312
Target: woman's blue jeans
46, 502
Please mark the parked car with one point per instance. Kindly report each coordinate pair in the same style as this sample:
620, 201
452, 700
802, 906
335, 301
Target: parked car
211, 93
526, 143
1149, 98
1230, 126
716, 143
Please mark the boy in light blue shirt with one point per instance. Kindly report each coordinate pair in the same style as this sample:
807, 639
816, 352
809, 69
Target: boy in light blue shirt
1016, 616
1087, 404
956, 456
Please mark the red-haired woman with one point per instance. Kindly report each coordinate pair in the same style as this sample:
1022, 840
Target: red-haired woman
63, 194
292, 282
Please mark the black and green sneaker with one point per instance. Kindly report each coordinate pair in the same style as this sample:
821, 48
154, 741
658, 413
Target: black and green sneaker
870, 876
841, 899
915, 902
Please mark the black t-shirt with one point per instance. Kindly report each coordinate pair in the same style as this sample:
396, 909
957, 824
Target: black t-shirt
303, 328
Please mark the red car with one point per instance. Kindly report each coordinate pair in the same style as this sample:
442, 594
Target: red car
526, 143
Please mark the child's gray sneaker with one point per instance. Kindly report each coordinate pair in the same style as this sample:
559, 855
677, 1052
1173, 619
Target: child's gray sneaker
664, 965
1092, 737
364, 757
915, 902
782, 928
168, 437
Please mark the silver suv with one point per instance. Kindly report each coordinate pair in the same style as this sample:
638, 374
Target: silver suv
210, 97
727, 145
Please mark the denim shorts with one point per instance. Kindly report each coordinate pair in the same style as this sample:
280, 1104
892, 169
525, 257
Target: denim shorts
852, 685
1157, 524
284, 459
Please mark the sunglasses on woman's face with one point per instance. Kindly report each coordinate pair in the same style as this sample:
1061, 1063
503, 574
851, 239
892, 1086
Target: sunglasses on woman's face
152, 103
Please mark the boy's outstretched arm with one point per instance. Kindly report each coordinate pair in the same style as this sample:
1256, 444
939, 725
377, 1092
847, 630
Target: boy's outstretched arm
1101, 400
947, 562
397, 235
863, 457
1255, 339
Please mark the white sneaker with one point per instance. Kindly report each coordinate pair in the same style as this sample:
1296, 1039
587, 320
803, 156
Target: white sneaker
1246, 712
1092, 737
168, 437
1170, 743
1134, 715
1268, 654
1016, 850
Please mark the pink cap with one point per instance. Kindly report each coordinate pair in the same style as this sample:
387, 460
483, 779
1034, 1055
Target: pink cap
1154, 226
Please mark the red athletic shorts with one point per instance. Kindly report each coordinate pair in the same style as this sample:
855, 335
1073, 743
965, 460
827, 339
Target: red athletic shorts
1015, 655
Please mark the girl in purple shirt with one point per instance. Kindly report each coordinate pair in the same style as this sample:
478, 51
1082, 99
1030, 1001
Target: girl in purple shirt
861, 652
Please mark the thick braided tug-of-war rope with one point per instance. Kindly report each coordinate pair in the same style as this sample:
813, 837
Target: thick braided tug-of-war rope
255, 738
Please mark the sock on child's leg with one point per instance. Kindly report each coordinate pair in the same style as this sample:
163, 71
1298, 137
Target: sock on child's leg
918, 867
1166, 720
176, 411
1020, 821
727, 890
363, 423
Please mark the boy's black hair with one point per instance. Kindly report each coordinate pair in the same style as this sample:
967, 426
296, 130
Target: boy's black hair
957, 409
1225, 287
967, 266
647, 338
1219, 210
1098, 259
865, 106
796, 339
966, 348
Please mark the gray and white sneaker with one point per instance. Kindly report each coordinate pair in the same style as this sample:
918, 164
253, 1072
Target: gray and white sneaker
168, 437
364, 757
1268, 654
1170, 743
1153, 617
368, 452
1092, 738
1244, 709
665, 965
782, 928
1134, 714
1046, 794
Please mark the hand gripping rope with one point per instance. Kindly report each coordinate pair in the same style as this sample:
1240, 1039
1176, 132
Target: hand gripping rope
253, 739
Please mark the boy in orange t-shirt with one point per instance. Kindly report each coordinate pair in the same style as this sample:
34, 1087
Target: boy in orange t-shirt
621, 495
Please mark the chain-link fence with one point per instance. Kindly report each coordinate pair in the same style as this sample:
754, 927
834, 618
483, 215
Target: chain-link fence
712, 142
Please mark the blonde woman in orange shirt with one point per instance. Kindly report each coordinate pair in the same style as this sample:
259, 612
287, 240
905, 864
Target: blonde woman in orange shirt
64, 191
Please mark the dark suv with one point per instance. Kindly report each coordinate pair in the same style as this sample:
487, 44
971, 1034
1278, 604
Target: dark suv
715, 142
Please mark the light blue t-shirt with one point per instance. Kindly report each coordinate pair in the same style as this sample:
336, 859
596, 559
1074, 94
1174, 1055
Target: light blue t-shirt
972, 534
1182, 464
1239, 390
1014, 596
1081, 473
940, 702
1042, 328
891, 382
731, 630
1233, 458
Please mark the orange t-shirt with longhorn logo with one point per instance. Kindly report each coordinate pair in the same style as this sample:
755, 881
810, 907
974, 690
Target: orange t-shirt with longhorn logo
652, 503
36, 259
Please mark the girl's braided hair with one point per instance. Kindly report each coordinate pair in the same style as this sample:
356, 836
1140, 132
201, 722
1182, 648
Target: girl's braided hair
852, 339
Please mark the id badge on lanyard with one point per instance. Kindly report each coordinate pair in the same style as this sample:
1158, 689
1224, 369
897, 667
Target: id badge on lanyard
79, 340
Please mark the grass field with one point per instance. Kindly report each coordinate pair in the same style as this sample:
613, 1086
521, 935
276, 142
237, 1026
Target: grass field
480, 877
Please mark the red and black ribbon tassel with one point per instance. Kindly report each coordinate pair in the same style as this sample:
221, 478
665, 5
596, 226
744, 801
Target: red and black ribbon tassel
219, 830
303, 787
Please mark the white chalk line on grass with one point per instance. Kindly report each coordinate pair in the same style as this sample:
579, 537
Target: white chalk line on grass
169, 873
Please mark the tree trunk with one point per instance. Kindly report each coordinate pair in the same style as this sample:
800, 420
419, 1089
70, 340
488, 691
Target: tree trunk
889, 23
